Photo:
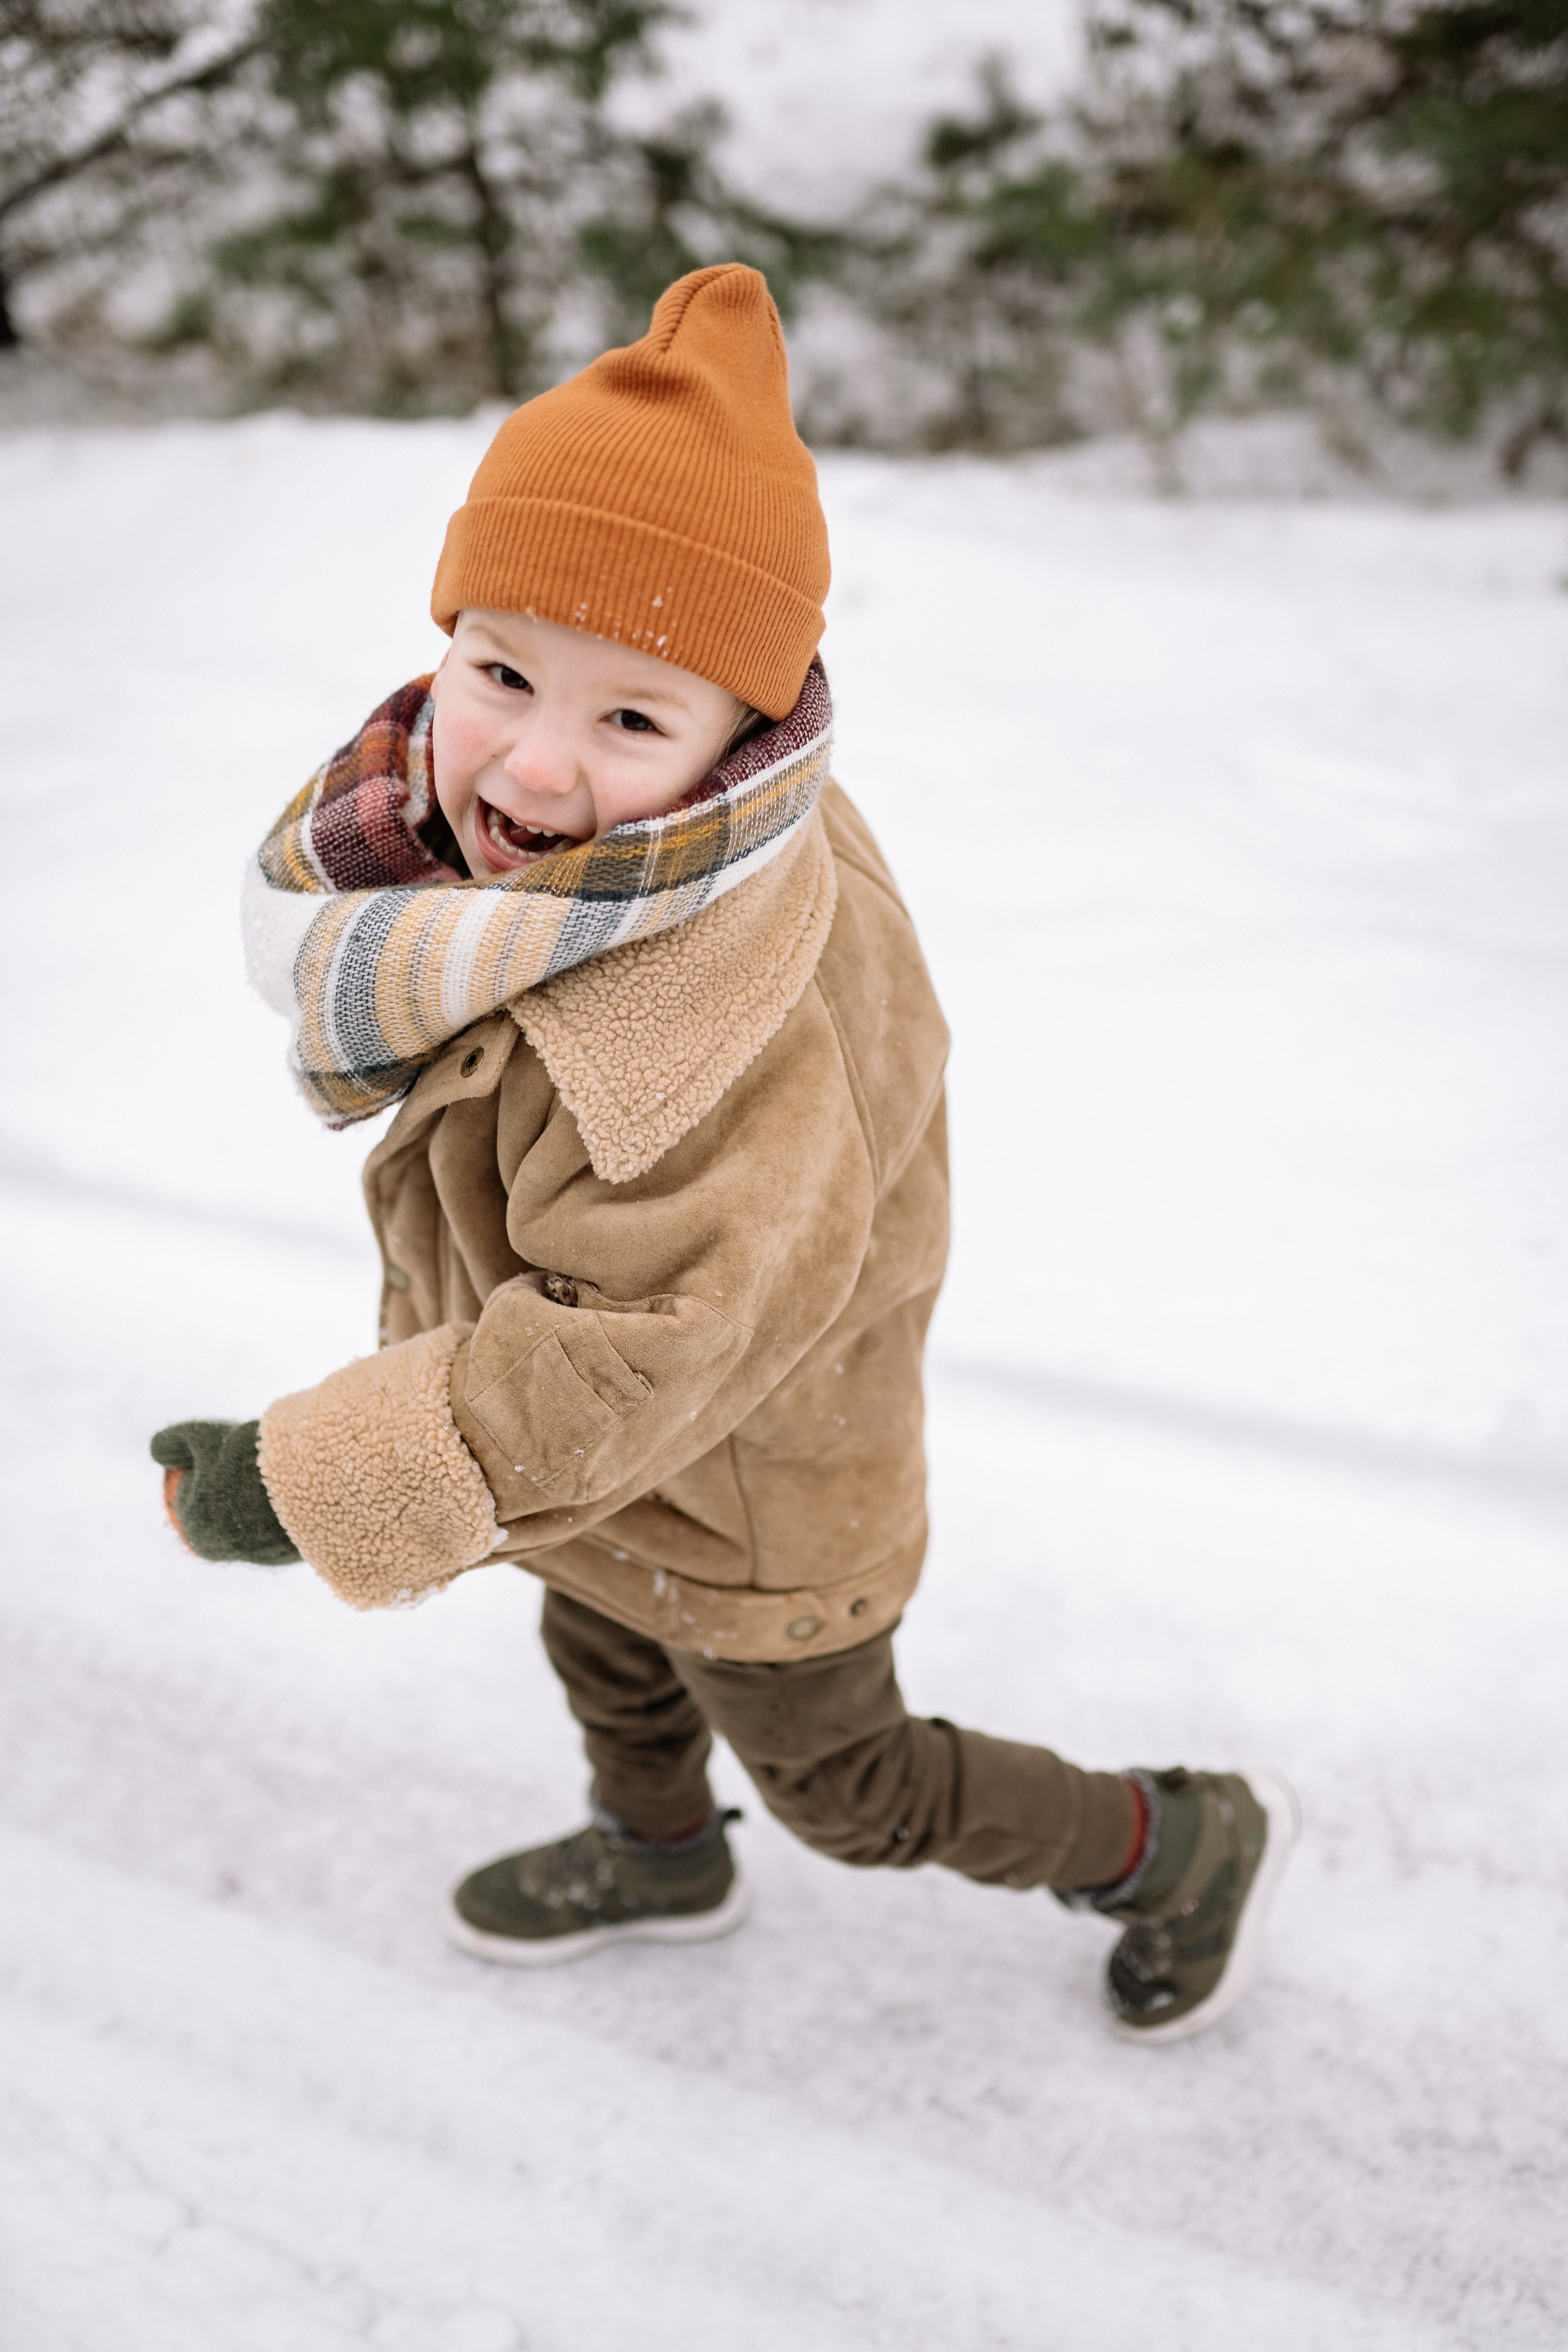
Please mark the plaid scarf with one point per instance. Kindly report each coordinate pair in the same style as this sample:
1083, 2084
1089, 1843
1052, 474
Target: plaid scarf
403, 953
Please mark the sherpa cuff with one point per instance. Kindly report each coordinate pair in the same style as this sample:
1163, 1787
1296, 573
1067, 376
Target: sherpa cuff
372, 1481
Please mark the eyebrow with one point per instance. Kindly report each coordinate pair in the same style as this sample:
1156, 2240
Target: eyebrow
671, 696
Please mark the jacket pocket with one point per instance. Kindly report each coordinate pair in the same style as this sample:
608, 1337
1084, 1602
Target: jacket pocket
552, 1407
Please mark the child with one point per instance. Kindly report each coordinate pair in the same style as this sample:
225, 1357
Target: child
664, 1210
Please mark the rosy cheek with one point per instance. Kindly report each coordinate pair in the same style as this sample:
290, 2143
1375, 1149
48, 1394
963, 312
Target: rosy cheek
461, 741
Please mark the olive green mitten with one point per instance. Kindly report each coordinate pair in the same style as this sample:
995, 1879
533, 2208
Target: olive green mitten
214, 1494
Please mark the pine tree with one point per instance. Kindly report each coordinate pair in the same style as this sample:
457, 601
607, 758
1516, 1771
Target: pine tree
1270, 199
417, 202
1465, 293
387, 204
105, 129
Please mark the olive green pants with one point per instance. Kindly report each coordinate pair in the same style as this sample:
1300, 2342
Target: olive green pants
834, 1755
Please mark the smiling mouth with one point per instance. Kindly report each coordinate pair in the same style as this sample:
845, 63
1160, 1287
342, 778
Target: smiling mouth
515, 842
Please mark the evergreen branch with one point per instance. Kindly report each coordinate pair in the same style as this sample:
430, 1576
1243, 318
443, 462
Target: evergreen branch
115, 138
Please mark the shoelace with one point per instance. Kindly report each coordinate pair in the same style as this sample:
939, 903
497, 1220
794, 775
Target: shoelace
572, 1872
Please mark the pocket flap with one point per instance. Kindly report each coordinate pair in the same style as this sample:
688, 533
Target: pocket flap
546, 1416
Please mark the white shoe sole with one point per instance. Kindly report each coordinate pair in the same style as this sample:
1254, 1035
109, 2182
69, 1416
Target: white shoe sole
1278, 1801
548, 1952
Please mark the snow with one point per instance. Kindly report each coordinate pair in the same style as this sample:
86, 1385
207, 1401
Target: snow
1236, 830
825, 99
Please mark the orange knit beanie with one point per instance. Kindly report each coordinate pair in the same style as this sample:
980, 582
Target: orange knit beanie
662, 499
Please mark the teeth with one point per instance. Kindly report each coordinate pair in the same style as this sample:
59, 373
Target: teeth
503, 830
495, 826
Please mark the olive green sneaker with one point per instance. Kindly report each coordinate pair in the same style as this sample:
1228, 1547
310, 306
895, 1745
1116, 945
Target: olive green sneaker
601, 1886
1196, 1907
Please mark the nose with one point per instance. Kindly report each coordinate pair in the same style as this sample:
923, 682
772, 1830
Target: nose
543, 759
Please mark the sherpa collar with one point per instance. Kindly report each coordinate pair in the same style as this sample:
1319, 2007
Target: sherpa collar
641, 1043
402, 954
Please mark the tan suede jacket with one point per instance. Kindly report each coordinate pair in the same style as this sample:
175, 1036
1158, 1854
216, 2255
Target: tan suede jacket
661, 1243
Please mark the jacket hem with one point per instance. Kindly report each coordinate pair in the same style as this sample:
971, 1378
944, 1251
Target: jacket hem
737, 1624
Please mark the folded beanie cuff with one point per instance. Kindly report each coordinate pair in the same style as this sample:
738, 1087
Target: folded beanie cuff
696, 607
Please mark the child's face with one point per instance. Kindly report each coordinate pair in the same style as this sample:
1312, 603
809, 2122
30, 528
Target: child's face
545, 737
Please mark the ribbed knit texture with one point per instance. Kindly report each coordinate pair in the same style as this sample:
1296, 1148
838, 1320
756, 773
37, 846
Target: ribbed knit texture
662, 499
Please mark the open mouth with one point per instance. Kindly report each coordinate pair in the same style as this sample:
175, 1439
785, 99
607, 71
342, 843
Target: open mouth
510, 841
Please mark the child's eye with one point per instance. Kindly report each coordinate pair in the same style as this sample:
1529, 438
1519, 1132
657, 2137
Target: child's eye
636, 723
511, 678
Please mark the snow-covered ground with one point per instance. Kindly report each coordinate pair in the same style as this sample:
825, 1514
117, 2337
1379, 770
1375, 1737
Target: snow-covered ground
1239, 835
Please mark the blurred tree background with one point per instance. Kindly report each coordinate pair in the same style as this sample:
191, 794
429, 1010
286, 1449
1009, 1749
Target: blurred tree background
1255, 201
392, 206
404, 206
